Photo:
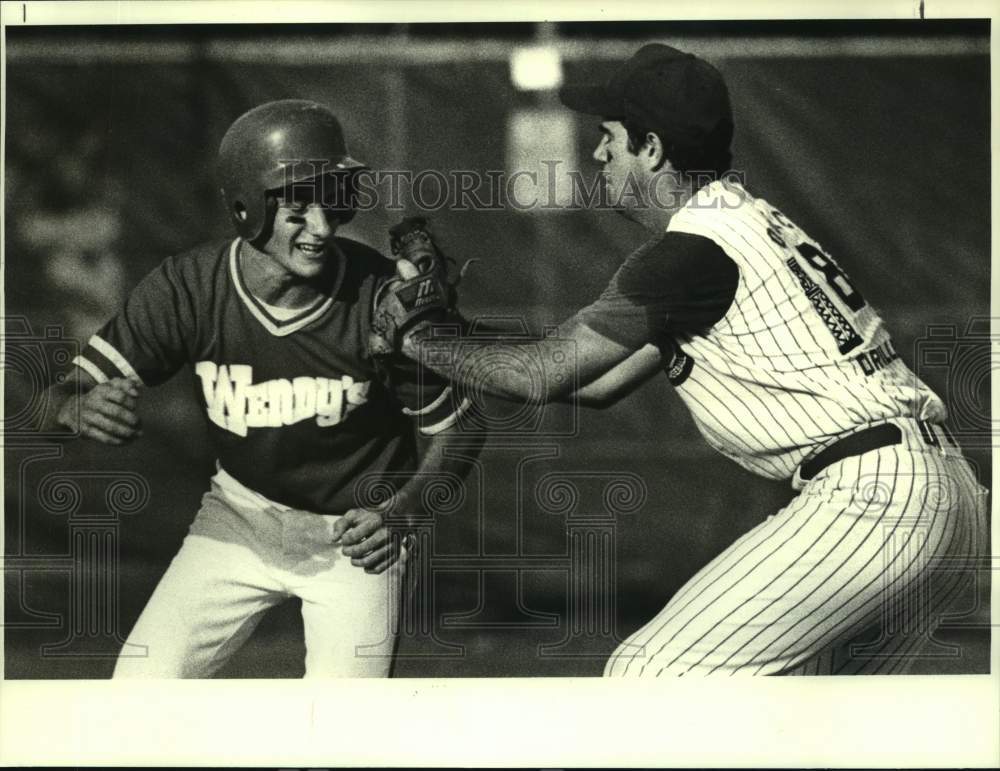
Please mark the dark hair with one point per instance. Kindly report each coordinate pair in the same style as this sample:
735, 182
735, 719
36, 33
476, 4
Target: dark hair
711, 155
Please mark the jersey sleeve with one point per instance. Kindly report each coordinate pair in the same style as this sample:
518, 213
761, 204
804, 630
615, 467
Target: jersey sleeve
432, 401
678, 284
150, 337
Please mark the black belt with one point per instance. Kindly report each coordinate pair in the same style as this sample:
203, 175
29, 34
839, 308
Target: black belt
866, 440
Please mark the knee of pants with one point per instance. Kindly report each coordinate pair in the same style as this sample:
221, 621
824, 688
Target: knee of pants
353, 633
181, 654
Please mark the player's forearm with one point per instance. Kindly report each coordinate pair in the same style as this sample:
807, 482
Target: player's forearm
506, 369
617, 383
446, 459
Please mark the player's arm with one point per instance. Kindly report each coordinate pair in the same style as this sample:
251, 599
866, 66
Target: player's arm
588, 356
621, 380
446, 455
366, 535
618, 382
145, 343
446, 451
680, 284
611, 386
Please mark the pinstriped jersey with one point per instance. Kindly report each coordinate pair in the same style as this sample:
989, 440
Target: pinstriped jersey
800, 356
297, 408
768, 342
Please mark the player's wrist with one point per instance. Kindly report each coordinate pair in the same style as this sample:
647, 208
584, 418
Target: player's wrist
62, 412
404, 506
414, 336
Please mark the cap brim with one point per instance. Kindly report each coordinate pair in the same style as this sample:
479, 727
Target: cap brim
591, 99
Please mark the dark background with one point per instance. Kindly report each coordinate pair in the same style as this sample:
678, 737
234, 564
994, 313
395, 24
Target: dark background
873, 137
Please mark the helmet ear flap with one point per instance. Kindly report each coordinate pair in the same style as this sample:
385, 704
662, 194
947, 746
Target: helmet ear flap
266, 227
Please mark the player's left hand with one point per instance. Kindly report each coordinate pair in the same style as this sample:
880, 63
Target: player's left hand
367, 541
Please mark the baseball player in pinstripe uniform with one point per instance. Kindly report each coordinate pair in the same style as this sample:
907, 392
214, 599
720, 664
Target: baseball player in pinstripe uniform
788, 371
275, 325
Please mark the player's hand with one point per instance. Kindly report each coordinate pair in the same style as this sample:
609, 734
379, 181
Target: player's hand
106, 413
418, 295
367, 541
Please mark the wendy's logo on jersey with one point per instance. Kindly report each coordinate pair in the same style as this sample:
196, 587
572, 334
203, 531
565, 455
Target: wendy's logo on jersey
235, 403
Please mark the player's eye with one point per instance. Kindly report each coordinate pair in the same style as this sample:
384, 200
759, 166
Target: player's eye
294, 208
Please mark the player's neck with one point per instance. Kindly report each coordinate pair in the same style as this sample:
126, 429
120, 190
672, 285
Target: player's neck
658, 211
653, 219
270, 282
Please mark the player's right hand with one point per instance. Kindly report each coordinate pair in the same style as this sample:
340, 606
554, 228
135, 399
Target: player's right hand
366, 540
106, 413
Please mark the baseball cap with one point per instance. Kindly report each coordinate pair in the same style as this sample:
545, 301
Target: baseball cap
660, 87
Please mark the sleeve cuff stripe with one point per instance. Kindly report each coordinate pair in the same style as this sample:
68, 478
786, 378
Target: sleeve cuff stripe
430, 407
90, 368
111, 353
448, 422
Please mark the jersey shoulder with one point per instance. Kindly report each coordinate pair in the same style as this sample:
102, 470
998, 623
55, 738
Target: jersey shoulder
199, 265
718, 204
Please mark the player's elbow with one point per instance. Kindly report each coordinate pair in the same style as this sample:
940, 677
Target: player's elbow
600, 401
599, 394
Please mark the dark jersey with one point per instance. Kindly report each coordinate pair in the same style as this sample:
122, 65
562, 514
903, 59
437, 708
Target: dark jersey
298, 411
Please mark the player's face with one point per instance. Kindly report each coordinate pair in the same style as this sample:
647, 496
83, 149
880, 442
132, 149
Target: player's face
302, 237
622, 169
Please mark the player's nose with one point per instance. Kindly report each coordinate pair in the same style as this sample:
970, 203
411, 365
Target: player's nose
320, 222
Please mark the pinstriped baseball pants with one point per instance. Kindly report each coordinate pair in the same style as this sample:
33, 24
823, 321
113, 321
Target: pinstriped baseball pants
849, 578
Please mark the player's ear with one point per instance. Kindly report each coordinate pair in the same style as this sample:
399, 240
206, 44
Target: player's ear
652, 152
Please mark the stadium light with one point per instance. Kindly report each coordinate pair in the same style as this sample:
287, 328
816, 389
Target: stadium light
537, 68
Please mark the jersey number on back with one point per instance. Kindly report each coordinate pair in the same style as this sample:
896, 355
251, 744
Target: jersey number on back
839, 298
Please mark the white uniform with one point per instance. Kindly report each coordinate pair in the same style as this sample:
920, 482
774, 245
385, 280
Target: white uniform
799, 361
244, 555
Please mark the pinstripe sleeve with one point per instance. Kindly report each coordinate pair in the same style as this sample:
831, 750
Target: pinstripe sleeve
150, 337
678, 284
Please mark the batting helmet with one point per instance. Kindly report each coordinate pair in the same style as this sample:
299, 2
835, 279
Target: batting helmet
271, 147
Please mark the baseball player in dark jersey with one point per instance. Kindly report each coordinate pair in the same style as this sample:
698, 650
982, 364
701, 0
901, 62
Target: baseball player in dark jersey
786, 369
275, 324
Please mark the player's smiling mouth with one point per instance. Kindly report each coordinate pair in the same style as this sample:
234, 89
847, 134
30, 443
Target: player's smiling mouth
311, 249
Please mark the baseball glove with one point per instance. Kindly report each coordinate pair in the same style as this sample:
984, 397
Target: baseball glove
403, 305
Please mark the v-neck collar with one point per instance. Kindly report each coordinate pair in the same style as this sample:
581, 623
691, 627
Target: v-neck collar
282, 327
